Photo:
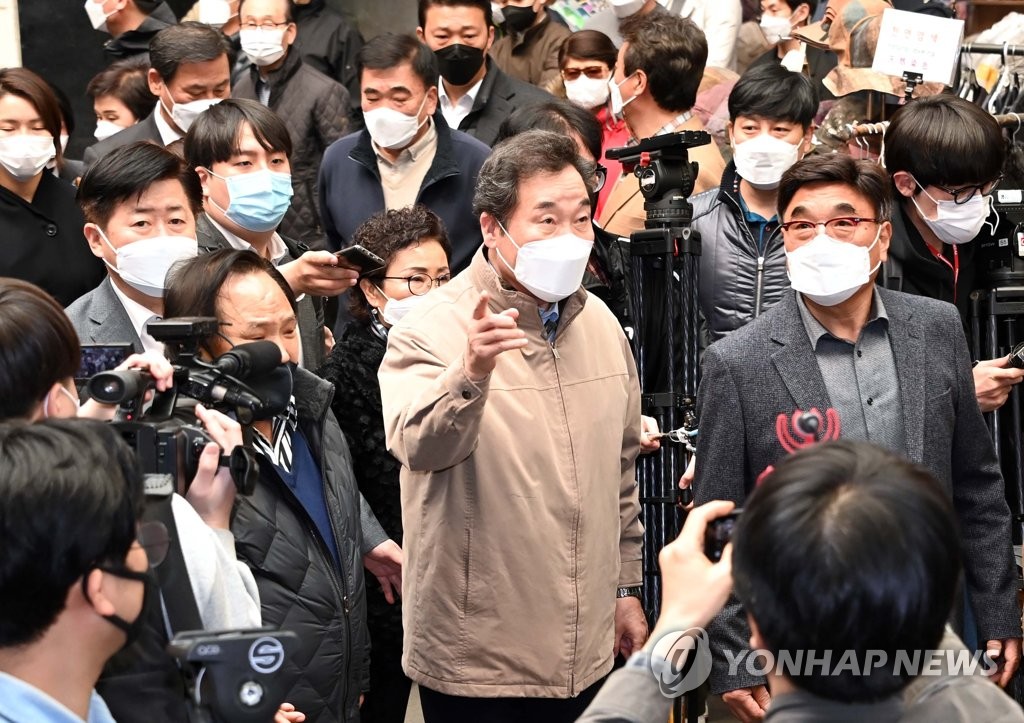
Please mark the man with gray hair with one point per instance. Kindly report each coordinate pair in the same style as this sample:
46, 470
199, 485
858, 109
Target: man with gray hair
511, 399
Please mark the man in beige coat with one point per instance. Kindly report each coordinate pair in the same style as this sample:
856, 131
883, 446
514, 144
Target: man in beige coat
511, 398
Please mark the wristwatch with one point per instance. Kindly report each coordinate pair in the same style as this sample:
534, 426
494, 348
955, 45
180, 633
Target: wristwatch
636, 591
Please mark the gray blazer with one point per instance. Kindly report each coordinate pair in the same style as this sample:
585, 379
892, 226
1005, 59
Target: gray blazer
768, 367
311, 308
99, 317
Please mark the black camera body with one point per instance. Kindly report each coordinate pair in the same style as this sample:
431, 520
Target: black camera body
719, 533
162, 437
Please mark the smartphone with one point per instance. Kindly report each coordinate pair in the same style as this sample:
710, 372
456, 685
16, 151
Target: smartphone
358, 258
718, 534
98, 358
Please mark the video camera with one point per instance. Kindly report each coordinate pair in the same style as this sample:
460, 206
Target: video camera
234, 676
246, 381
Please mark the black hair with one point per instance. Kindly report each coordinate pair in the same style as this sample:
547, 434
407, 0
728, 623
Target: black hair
388, 232
126, 173
848, 547
72, 497
557, 116
187, 42
672, 51
770, 91
125, 80
944, 140
865, 177
67, 114
483, 6
38, 347
391, 50
193, 286
213, 137
812, 6
588, 45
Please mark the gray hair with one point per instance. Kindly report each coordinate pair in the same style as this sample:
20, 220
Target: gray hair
518, 159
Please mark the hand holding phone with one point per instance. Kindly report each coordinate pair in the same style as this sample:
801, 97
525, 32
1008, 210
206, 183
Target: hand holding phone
361, 259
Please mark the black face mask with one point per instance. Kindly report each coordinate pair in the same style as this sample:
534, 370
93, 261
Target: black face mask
275, 389
134, 628
518, 19
459, 63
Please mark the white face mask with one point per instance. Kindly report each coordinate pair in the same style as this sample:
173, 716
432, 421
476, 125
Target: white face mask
829, 272
763, 159
497, 14
625, 8
393, 129
263, 47
587, 92
775, 29
551, 269
74, 401
956, 223
25, 156
105, 129
215, 13
395, 309
185, 114
144, 264
615, 95
97, 17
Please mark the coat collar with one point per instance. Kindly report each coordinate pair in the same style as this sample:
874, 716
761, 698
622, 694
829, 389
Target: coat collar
445, 163
794, 359
279, 78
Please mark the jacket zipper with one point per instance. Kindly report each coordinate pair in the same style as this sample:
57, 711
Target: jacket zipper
575, 526
759, 286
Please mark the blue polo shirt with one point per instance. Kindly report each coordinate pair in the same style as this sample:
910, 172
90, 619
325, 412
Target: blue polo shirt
759, 225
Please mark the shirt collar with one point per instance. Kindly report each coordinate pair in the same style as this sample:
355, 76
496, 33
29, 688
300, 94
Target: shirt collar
167, 134
413, 152
26, 702
138, 315
277, 248
674, 123
815, 330
467, 100
751, 216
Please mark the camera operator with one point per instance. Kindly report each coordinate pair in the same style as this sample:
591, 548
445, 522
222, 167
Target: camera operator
39, 354
73, 582
832, 527
305, 530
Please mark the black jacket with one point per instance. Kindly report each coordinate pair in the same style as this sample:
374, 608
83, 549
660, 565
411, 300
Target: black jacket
737, 280
144, 130
315, 109
43, 241
352, 368
301, 588
913, 268
311, 308
136, 42
500, 95
350, 190
329, 42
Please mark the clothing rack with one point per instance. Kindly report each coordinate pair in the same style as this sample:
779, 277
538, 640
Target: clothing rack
860, 130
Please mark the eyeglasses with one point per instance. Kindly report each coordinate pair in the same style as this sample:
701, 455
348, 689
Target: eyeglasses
600, 177
420, 284
595, 72
265, 25
152, 537
842, 228
966, 193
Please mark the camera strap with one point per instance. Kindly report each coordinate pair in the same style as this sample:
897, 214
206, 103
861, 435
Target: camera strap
179, 603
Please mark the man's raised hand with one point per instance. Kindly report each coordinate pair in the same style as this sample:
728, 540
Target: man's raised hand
489, 335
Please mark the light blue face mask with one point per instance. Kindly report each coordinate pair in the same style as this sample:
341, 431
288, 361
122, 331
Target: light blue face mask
259, 200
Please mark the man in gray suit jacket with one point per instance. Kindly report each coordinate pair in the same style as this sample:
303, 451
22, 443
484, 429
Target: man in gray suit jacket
140, 204
881, 366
